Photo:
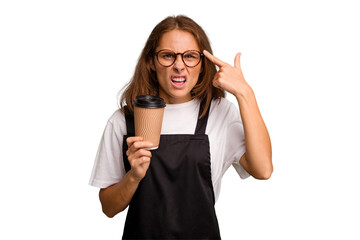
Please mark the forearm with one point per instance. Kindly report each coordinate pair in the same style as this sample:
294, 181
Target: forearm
116, 198
258, 157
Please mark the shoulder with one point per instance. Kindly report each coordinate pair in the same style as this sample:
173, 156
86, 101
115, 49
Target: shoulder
117, 122
223, 114
117, 117
221, 103
223, 109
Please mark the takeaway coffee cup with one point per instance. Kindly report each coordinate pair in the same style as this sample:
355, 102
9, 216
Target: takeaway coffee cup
148, 116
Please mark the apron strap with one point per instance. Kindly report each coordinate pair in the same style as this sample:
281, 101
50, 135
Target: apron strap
130, 128
202, 122
129, 122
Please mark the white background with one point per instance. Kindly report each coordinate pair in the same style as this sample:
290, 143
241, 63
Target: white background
62, 64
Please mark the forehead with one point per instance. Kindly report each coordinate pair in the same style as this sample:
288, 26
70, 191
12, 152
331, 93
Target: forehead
178, 41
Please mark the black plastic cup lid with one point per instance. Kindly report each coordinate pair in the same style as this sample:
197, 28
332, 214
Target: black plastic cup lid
148, 101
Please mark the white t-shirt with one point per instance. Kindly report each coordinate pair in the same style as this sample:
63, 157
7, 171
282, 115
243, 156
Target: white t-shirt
224, 129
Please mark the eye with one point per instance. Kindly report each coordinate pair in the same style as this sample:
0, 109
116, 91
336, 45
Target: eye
167, 55
192, 55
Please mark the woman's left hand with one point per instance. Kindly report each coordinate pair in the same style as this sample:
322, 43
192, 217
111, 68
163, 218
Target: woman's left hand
229, 78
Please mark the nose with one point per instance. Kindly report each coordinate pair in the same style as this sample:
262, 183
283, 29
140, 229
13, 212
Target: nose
179, 64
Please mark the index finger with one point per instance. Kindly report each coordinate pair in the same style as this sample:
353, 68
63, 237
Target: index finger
131, 140
214, 59
141, 144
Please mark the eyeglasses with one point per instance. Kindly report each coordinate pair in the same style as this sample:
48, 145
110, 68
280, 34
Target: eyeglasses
191, 58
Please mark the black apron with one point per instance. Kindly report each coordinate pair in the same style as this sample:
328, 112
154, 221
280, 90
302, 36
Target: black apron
175, 199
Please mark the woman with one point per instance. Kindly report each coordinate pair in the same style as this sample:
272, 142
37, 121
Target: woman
171, 191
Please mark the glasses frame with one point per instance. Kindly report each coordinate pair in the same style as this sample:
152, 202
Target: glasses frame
176, 54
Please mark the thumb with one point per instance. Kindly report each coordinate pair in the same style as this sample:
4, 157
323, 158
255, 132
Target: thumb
237, 60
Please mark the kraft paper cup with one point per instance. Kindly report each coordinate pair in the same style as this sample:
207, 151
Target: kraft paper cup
148, 116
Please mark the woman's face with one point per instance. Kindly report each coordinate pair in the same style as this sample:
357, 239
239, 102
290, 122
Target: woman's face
176, 81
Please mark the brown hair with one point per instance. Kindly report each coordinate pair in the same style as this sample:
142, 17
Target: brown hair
144, 81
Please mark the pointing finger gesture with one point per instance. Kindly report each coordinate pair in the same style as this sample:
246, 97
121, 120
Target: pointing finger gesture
230, 78
214, 59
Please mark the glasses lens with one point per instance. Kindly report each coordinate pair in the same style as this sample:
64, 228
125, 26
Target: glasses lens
191, 58
166, 58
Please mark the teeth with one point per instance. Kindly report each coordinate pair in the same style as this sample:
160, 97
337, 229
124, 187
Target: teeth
178, 79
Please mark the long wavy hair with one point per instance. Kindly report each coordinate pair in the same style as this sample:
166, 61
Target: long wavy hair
144, 80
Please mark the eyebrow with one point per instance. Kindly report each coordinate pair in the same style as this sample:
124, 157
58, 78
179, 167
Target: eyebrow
176, 51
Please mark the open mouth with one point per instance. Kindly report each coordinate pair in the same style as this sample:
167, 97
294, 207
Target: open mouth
178, 81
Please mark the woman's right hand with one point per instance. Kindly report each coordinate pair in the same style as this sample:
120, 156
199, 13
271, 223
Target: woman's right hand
138, 157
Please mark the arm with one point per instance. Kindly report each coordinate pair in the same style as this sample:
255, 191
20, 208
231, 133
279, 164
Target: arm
116, 198
257, 160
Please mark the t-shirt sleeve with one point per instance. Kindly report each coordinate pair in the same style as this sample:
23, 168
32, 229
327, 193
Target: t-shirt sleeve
108, 167
236, 141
